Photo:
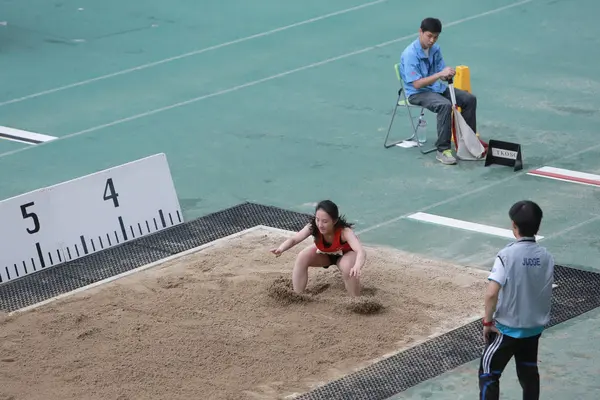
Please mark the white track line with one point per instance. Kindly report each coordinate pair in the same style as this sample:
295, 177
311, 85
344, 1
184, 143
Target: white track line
440, 203
269, 78
471, 192
141, 268
465, 225
192, 53
567, 175
18, 135
573, 227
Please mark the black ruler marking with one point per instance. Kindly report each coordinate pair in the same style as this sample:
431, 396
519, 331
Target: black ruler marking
7, 273
162, 218
40, 255
123, 231
1, 280
84, 244
131, 229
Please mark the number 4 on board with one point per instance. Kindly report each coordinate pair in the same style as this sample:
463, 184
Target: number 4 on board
109, 192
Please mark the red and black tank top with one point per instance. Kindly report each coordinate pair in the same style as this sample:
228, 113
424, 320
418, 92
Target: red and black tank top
337, 247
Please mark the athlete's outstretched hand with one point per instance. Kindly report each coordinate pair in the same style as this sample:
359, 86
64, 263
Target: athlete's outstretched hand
277, 252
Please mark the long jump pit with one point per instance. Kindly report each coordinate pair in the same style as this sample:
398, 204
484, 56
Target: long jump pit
222, 322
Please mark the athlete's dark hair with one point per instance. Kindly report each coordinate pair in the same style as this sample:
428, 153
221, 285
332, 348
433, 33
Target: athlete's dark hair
332, 209
432, 25
527, 216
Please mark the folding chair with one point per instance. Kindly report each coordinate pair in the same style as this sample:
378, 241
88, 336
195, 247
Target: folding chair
403, 101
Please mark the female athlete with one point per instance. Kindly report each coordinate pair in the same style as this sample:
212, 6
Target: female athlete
334, 244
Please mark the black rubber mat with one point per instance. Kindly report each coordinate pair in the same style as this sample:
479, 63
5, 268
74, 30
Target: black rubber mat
576, 294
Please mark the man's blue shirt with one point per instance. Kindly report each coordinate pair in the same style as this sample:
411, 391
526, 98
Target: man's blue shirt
414, 65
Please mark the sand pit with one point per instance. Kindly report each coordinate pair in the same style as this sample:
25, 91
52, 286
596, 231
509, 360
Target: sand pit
221, 324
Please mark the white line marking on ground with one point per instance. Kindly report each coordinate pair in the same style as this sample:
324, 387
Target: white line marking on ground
15, 140
18, 135
467, 194
192, 53
567, 175
269, 78
141, 268
465, 225
572, 228
439, 203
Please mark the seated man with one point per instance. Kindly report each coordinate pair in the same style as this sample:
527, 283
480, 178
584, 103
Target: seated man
422, 69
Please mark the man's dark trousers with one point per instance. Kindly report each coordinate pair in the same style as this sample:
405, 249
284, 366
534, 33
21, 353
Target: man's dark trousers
441, 104
498, 352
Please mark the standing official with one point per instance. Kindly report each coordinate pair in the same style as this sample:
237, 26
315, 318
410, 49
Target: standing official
517, 306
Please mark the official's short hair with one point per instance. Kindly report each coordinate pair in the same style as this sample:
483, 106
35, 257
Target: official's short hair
527, 216
432, 25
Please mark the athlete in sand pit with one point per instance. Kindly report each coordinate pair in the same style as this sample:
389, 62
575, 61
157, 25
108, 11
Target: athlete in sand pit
334, 244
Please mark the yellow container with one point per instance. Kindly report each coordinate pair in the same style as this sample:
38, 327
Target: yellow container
462, 79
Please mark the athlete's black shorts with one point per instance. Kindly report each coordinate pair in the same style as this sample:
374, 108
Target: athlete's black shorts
333, 259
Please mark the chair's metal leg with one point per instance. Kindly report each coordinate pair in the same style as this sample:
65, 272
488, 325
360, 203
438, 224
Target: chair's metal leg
421, 147
429, 150
385, 144
412, 121
413, 137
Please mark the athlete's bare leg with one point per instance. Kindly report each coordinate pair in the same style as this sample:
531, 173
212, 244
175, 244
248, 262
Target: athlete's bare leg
305, 259
345, 264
